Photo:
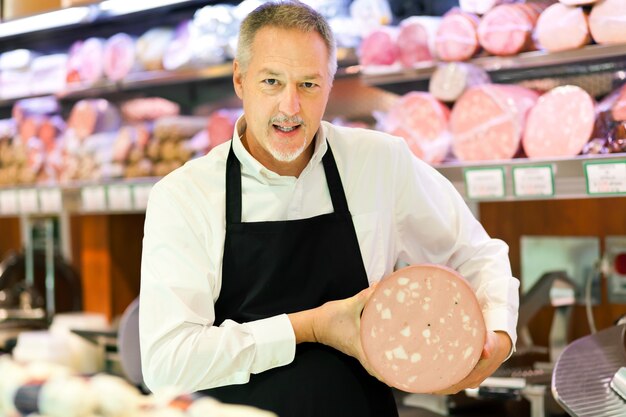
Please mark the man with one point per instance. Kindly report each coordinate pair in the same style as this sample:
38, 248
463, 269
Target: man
258, 257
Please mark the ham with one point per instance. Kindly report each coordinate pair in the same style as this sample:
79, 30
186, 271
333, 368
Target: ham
119, 56
221, 125
148, 109
379, 47
450, 80
91, 116
416, 39
607, 22
422, 121
86, 63
560, 124
561, 27
487, 122
422, 330
507, 29
457, 38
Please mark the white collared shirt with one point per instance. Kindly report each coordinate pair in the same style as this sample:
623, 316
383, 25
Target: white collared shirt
402, 210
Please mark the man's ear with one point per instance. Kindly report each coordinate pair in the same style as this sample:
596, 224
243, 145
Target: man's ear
237, 79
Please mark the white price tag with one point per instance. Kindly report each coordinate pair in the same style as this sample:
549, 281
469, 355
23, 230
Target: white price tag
120, 197
50, 200
28, 200
484, 182
606, 177
93, 198
9, 202
533, 181
141, 193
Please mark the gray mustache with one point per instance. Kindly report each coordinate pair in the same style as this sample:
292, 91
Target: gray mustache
286, 119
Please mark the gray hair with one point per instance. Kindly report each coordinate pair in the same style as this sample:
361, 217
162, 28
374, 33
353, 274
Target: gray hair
284, 15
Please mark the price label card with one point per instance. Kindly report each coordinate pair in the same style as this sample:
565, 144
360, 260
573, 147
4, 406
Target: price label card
93, 198
606, 177
28, 200
50, 200
9, 202
535, 181
140, 195
484, 183
120, 197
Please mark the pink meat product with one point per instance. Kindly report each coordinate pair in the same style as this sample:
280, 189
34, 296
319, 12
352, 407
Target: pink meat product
379, 48
148, 109
457, 38
450, 80
561, 27
221, 125
607, 22
74, 62
487, 121
560, 124
481, 6
91, 68
422, 121
416, 39
119, 56
618, 108
422, 330
91, 116
507, 29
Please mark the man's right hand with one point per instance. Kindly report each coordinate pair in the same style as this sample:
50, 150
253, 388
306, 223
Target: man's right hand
336, 324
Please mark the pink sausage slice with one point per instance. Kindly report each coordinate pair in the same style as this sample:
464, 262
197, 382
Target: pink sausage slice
422, 330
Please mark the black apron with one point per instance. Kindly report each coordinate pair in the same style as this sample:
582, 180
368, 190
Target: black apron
276, 267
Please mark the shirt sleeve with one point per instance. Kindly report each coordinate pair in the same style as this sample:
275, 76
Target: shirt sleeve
180, 346
434, 224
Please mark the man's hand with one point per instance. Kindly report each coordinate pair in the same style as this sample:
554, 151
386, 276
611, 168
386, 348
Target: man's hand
336, 324
496, 350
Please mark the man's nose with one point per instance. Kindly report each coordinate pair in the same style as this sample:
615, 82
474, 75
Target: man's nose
290, 101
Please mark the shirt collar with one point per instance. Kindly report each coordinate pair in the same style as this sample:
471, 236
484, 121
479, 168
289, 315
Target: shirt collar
251, 165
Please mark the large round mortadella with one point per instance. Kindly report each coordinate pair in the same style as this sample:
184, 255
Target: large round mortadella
422, 330
560, 124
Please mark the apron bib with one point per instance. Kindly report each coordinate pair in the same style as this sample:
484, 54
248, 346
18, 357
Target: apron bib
277, 267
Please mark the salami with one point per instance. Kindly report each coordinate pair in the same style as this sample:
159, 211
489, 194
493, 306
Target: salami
487, 121
607, 22
422, 121
560, 124
561, 27
450, 80
456, 38
422, 330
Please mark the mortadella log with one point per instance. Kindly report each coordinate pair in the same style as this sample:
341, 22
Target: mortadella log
422, 330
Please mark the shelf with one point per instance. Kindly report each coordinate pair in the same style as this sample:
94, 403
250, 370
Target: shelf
105, 197
105, 11
571, 178
528, 65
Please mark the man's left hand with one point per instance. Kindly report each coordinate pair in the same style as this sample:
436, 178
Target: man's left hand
497, 348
